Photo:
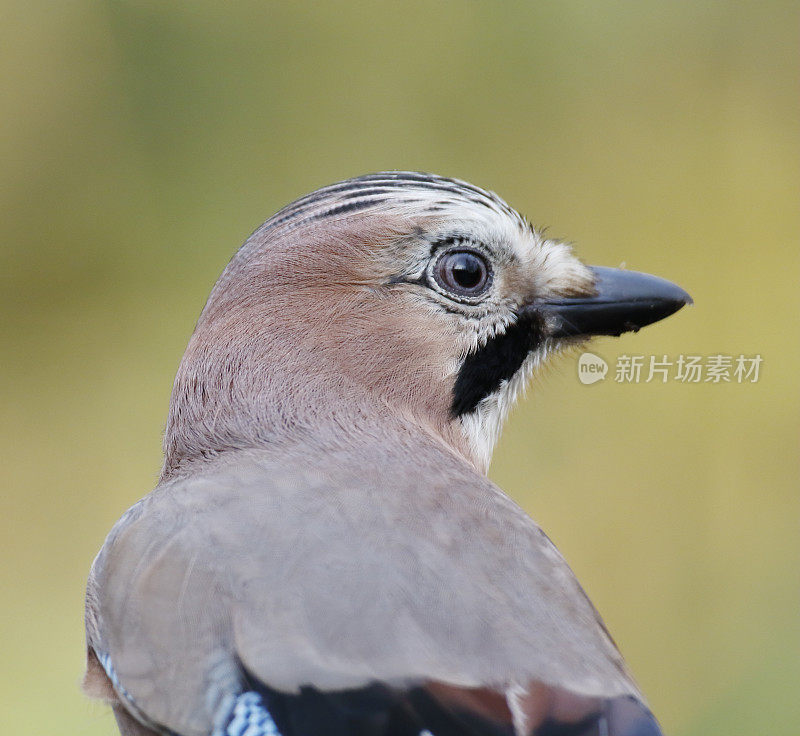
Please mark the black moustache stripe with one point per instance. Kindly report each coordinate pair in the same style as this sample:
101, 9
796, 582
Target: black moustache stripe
498, 360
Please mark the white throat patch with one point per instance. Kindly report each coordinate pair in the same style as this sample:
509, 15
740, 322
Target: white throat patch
482, 426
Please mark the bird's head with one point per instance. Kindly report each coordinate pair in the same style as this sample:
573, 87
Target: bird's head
391, 296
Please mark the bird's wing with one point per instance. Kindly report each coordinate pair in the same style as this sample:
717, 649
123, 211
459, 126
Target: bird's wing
371, 601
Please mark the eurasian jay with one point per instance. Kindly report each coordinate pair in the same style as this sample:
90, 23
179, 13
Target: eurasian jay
324, 554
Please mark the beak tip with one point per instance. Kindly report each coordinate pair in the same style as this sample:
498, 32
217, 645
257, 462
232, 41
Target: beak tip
680, 300
681, 297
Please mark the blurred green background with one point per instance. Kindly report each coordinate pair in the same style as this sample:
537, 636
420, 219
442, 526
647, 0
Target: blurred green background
141, 142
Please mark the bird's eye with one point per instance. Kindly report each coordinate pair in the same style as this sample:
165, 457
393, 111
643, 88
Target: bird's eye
462, 272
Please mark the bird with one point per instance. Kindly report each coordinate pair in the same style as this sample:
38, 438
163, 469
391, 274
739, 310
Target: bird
324, 553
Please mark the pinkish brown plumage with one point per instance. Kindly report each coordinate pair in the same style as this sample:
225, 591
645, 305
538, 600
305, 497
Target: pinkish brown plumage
324, 551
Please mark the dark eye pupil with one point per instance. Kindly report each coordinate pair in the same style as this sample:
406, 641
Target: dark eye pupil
462, 272
467, 270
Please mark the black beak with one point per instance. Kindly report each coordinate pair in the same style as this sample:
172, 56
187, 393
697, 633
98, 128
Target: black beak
624, 302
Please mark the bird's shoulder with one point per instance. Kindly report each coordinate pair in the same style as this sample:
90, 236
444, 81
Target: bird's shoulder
337, 572
261, 515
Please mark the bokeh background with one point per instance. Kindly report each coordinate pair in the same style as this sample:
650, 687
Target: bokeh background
141, 142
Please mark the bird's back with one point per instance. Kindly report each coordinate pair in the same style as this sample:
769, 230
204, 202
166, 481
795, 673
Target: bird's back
254, 568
